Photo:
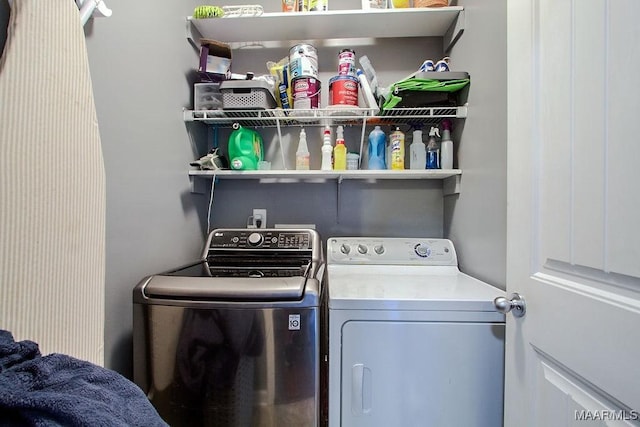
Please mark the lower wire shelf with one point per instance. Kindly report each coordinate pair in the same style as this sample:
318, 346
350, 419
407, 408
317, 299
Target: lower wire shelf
450, 177
332, 174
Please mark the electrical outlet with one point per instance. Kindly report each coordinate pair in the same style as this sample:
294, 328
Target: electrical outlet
259, 218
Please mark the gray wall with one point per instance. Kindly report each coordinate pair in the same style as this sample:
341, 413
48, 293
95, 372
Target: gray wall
142, 71
381, 208
141, 68
476, 219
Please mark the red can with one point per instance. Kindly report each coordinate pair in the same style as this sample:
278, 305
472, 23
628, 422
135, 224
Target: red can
343, 90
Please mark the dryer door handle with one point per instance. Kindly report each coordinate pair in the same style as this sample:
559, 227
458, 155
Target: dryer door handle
360, 389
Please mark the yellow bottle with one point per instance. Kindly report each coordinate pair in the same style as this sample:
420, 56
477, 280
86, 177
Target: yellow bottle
340, 151
396, 141
400, 4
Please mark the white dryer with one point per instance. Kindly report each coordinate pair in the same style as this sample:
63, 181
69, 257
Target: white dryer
412, 340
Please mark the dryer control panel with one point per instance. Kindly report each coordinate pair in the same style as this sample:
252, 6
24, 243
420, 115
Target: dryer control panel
391, 251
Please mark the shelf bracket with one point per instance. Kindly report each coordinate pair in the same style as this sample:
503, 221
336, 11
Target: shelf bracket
197, 185
454, 32
284, 163
451, 185
193, 35
338, 184
364, 127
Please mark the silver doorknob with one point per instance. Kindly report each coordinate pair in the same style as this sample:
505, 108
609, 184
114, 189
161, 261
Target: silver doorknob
516, 303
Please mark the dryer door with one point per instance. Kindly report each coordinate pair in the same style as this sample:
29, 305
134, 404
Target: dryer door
422, 373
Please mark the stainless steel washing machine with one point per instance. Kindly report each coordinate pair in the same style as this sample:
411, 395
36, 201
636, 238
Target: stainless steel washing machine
234, 338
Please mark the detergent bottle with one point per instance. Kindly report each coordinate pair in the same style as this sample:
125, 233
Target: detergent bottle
396, 140
376, 152
446, 146
245, 148
340, 151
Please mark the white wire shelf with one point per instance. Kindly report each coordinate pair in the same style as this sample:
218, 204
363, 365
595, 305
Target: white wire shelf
443, 22
450, 177
315, 175
278, 117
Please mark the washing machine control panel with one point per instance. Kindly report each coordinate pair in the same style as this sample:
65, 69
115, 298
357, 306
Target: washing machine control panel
252, 239
401, 251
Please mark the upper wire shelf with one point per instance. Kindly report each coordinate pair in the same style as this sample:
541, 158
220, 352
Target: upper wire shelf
324, 116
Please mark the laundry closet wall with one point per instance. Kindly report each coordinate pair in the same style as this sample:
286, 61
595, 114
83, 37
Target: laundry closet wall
142, 73
141, 66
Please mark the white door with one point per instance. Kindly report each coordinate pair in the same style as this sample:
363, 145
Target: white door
574, 212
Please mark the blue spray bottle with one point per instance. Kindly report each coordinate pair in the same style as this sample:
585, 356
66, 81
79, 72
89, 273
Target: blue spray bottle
433, 151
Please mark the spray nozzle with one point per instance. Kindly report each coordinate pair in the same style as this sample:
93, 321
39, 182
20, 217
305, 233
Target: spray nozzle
434, 131
339, 133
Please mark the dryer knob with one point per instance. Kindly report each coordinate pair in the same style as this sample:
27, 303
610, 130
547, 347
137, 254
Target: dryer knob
379, 249
255, 239
422, 250
362, 249
345, 249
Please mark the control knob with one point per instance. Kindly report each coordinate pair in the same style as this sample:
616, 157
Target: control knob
422, 250
345, 249
255, 239
362, 249
379, 249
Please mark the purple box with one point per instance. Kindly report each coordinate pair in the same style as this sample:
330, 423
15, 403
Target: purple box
215, 59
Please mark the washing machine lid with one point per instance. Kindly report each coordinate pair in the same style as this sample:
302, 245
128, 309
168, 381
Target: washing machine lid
394, 288
227, 288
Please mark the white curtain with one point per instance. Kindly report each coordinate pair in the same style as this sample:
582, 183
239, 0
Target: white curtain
52, 184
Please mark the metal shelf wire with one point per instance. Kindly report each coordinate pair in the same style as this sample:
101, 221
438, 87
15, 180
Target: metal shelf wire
324, 116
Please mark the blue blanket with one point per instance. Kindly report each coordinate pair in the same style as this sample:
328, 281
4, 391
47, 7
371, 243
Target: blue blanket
59, 390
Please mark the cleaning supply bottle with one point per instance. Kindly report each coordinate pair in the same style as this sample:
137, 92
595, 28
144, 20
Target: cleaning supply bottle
340, 151
396, 140
376, 151
327, 150
245, 148
446, 146
417, 151
433, 152
370, 100
302, 153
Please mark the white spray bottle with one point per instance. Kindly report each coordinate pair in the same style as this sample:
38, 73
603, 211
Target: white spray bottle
327, 150
369, 98
302, 154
